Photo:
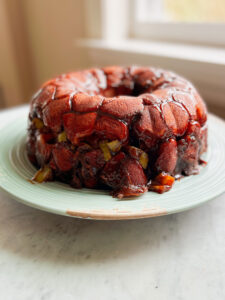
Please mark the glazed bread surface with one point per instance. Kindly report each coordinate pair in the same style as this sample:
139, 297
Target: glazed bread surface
128, 129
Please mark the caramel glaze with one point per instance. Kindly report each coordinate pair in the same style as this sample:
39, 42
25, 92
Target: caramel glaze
151, 109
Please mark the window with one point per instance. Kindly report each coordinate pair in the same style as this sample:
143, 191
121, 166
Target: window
181, 35
180, 10
192, 21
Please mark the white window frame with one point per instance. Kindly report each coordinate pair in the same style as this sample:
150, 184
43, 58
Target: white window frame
110, 40
115, 20
211, 34
193, 33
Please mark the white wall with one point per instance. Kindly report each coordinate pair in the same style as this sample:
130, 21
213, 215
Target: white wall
10, 88
37, 40
53, 27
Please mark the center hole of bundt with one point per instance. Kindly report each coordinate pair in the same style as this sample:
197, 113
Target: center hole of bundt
134, 91
137, 90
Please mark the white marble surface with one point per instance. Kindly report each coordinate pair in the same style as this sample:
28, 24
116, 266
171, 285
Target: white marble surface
45, 256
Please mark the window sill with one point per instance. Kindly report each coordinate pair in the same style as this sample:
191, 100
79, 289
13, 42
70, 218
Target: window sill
204, 66
165, 49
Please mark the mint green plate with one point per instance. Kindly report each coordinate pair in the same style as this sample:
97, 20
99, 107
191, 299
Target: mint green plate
59, 198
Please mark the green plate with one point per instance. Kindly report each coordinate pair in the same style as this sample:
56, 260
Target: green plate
59, 198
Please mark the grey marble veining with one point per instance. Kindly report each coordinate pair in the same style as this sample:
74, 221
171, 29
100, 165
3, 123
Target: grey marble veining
45, 256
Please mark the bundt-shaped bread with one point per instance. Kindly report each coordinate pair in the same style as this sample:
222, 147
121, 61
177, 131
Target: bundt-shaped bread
129, 129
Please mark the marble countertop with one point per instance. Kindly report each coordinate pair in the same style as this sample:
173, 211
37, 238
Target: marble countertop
45, 256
